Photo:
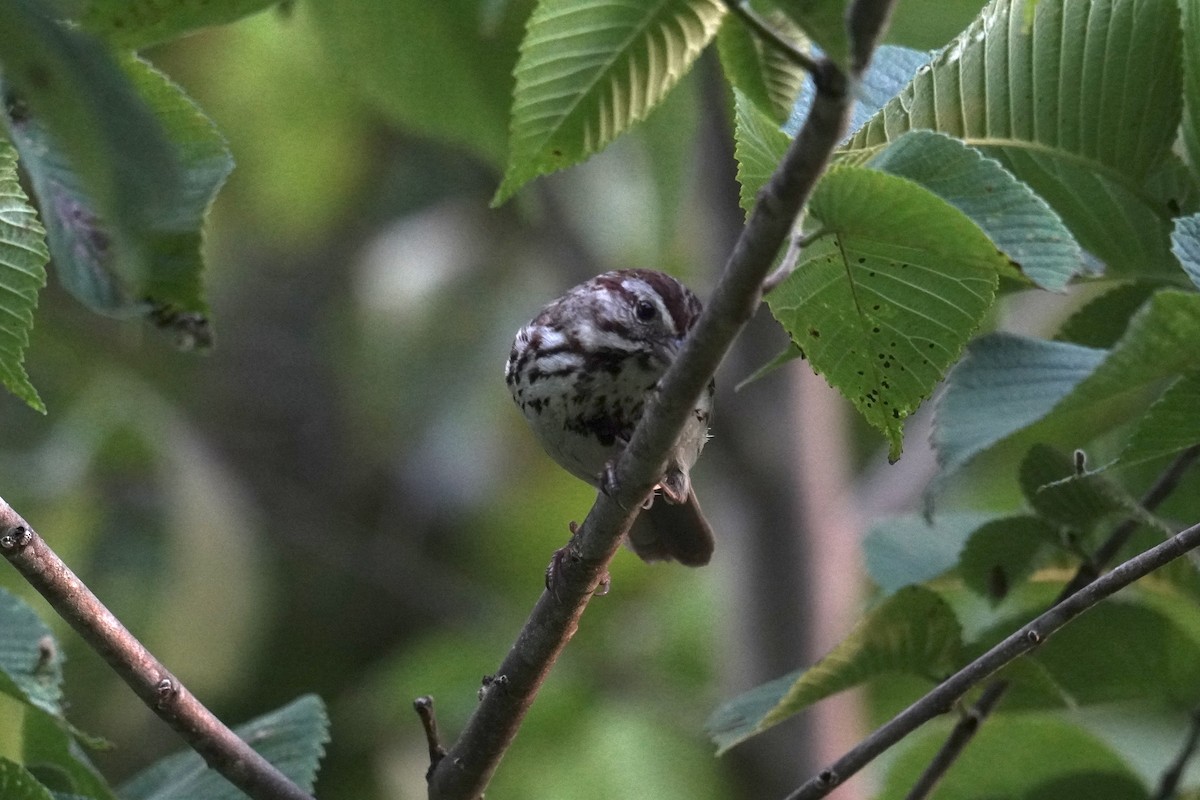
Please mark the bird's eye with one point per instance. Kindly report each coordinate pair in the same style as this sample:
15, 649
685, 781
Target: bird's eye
645, 311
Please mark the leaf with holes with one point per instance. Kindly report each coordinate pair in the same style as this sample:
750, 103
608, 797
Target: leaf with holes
883, 303
589, 69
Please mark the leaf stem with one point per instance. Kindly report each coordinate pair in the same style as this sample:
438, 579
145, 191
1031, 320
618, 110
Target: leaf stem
768, 34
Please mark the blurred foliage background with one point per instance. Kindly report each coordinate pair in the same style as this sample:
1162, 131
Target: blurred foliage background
342, 499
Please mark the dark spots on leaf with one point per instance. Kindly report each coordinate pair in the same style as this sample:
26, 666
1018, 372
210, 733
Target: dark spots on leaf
875, 329
896, 414
814, 333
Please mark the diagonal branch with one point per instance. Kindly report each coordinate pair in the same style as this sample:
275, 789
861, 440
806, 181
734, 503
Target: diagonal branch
1022, 641
220, 747
468, 766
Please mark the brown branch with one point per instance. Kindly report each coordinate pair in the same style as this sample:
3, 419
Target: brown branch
159, 689
1022, 641
467, 768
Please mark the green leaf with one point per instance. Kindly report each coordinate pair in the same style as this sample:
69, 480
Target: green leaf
1171, 425
759, 146
1102, 321
1058, 495
824, 21
16, 783
758, 70
30, 661
74, 90
1004, 552
118, 265
1083, 131
134, 24
1003, 384
1009, 758
901, 551
292, 738
1191, 85
1185, 244
444, 69
1019, 222
589, 69
913, 632
49, 748
884, 302
23, 257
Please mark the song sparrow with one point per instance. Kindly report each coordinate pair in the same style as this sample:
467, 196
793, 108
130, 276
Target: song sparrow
581, 371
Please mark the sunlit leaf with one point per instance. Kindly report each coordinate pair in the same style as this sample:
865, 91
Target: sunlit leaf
23, 257
1003, 552
590, 69
134, 24
1170, 425
913, 632
16, 783
824, 21
292, 738
1019, 222
759, 146
884, 302
760, 72
1083, 131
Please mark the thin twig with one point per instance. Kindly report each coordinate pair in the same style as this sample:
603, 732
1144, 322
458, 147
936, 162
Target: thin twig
1151, 500
771, 37
424, 708
159, 689
1169, 783
471, 761
1087, 572
1025, 639
958, 740
787, 264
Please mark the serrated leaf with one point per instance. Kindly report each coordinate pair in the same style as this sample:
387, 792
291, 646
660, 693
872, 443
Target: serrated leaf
759, 146
1004, 383
30, 661
292, 738
1185, 244
902, 551
23, 259
759, 71
886, 300
1063, 120
17, 783
443, 69
134, 24
1102, 321
589, 69
1172, 423
912, 632
1019, 222
1008, 758
122, 266
1004, 552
